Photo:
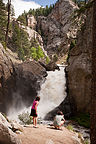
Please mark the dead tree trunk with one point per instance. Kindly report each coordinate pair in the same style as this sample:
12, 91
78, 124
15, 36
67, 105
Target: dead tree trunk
8, 22
93, 102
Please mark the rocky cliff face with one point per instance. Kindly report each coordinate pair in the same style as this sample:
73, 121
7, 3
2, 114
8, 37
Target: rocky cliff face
7, 79
31, 30
56, 29
18, 82
79, 68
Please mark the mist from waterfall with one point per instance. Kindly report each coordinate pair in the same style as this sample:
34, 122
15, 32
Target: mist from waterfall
52, 93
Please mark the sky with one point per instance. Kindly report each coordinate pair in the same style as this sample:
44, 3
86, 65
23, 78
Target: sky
43, 2
21, 5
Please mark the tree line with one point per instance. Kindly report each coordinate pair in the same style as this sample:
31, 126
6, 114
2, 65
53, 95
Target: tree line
35, 12
14, 37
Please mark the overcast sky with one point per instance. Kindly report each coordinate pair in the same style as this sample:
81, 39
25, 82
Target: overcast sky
21, 5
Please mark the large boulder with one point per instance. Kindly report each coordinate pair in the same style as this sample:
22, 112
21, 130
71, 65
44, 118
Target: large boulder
30, 75
79, 74
51, 66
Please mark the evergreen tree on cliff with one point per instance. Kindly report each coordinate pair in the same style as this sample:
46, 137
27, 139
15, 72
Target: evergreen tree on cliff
93, 103
7, 30
3, 21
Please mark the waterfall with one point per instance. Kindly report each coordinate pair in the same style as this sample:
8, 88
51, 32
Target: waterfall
52, 91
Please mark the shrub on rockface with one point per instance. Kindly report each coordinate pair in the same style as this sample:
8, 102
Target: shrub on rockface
25, 118
82, 119
36, 53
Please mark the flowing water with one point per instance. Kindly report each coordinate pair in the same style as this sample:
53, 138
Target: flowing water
52, 94
52, 91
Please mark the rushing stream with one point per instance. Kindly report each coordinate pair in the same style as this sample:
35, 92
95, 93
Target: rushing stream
52, 91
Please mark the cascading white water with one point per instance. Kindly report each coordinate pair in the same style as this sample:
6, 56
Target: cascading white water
52, 91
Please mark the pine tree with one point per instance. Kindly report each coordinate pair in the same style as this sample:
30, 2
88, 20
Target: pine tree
8, 21
3, 21
20, 41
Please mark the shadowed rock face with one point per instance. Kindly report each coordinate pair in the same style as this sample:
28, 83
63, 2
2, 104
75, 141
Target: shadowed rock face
7, 79
18, 83
79, 73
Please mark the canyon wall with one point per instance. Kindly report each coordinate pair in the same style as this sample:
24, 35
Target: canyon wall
79, 70
57, 29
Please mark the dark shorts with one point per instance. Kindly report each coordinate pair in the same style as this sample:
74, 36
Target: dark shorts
33, 113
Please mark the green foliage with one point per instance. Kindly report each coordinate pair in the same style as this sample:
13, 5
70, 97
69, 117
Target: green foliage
41, 11
24, 47
25, 118
35, 12
80, 2
47, 59
40, 53
36, 53
82, 9
23, 18
20, 41
70, 127
86, 142
33, 53
4, 44
3, 21
73, 44
83, 119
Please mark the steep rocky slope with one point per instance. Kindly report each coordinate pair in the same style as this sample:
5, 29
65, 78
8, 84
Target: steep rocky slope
79, 68
57, 28
32, 33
